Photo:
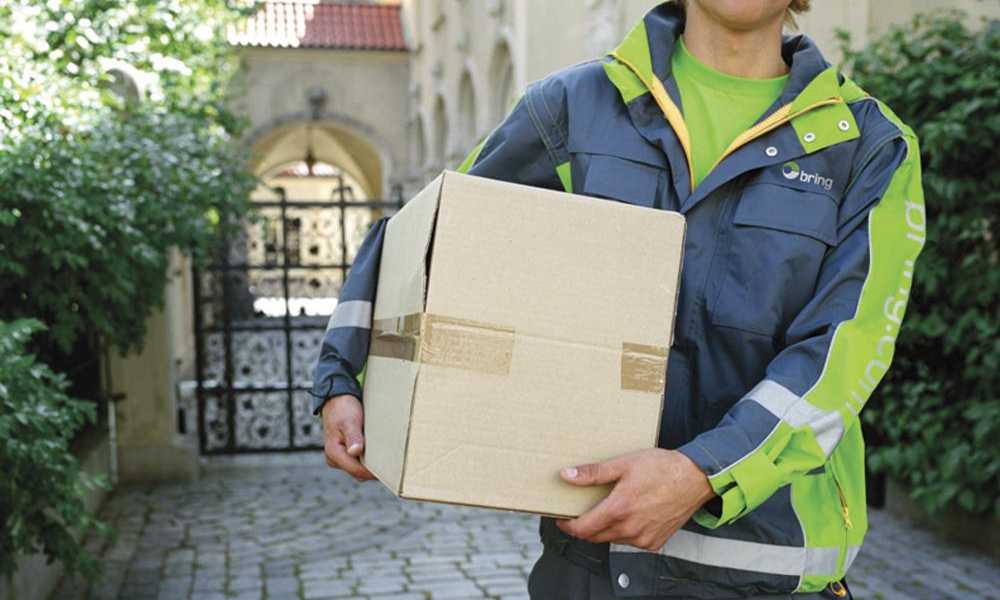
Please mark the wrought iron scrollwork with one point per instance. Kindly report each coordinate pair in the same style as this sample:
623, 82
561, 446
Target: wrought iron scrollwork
260, 314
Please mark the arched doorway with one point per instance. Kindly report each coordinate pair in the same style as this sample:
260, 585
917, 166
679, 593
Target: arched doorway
419, 150
466, 112
440, 133
504, 94
262, 303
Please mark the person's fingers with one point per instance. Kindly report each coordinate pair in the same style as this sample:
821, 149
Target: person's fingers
354, 440
332, 439
365, 474
629, 532
606, 515
349, 464
613, 533
600, 473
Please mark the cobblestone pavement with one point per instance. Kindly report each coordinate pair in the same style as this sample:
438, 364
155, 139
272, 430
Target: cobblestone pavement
294, 529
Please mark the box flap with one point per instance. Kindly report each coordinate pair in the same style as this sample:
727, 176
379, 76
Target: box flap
402, 275
390, 379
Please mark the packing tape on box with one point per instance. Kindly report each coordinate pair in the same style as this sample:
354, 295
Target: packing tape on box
489, 348
644, 368
398, 337
445, 341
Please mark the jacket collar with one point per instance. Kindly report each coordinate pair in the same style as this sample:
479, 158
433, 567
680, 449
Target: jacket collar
650, 44
812, 102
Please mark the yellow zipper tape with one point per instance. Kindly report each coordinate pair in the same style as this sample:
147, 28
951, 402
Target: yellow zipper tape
670, 111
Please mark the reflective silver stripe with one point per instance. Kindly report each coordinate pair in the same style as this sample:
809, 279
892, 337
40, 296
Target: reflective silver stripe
852, 553
774, 397
821, 561
353, 313
827, 425
793, 561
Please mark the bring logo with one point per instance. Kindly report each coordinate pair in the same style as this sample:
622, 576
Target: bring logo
791, 170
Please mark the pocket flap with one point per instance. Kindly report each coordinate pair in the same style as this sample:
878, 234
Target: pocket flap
621, 179
631, 147
786, 209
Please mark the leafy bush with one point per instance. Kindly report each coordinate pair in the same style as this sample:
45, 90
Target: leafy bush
96, 190
42, 490
87, 219
938, 412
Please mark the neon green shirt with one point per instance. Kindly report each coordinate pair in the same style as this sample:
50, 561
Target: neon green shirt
718, 107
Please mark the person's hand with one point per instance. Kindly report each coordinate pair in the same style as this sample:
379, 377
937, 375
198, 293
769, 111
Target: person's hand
343, 442
656, 491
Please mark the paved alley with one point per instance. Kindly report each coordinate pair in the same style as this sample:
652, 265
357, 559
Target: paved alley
291, 528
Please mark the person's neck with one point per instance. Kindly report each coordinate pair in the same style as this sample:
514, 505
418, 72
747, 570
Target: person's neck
753, 54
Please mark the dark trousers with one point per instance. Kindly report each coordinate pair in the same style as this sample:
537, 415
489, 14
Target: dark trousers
555, 578
577, 570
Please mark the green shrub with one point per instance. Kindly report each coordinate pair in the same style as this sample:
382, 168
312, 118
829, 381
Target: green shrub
938, 412
88, 219
96, 191
42, 490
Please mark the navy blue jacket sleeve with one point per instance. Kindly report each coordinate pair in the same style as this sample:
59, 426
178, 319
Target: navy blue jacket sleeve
344, 350
523, 149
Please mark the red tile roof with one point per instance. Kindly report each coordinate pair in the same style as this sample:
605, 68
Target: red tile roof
316, 24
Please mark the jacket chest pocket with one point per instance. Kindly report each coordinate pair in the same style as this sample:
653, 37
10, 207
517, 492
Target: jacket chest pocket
771, 253
621, 179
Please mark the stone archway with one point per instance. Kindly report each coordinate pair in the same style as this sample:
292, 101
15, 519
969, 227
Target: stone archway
337, 139
467, 117
419, 150
504, 92
442, 145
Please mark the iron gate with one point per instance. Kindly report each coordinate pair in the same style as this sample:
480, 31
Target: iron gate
261, 308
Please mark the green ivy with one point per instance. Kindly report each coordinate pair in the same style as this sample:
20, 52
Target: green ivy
938, 412
42, 490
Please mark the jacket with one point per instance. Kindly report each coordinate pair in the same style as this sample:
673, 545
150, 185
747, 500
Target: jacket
799, 258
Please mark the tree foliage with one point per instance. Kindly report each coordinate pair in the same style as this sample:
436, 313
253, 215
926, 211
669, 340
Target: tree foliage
95, 189
937, 412
99, 183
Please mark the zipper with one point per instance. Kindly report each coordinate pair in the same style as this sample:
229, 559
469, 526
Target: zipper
844, 511
669, 110
845, 514
673, 115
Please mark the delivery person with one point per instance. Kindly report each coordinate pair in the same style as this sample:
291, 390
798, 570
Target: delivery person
805, 215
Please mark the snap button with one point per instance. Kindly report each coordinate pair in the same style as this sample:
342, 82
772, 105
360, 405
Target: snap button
771, 151
809, 137
844, 125
623, 580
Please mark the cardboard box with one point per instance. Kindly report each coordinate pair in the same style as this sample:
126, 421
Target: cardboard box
516, 331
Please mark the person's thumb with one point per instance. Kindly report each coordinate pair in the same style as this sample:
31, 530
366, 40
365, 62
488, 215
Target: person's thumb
353, 438
600, 473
